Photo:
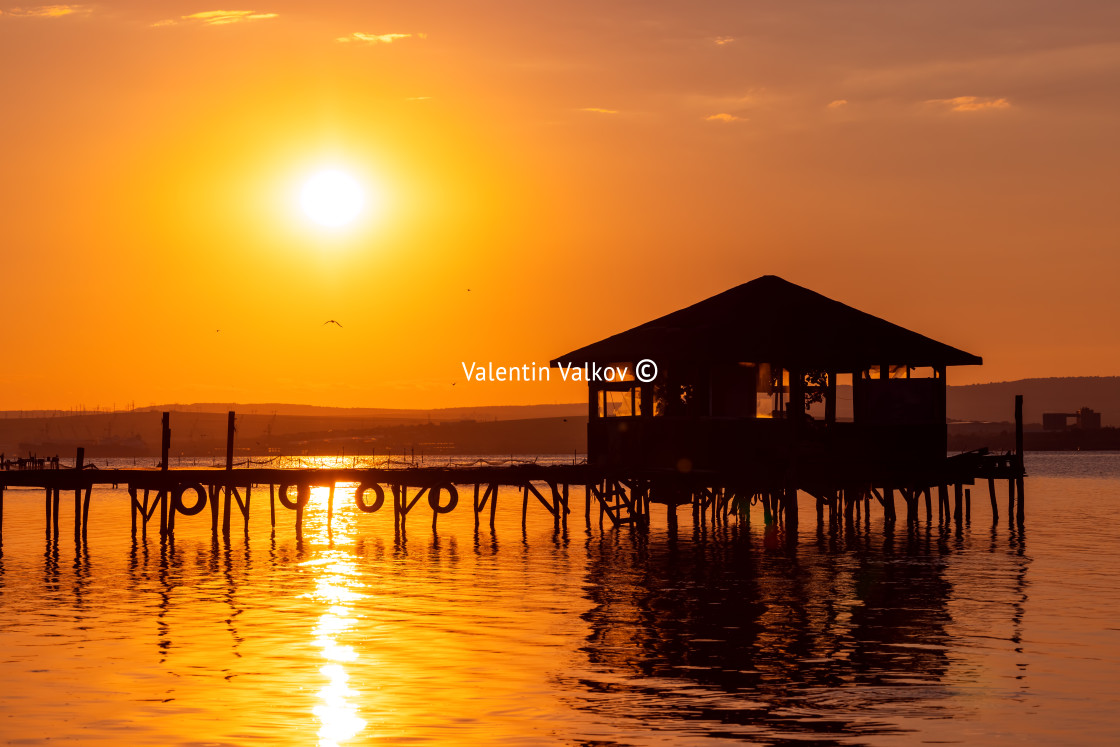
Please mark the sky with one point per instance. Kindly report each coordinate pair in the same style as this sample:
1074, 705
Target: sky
536, 177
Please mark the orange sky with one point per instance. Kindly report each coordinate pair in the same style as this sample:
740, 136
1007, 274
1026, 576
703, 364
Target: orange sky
580, 166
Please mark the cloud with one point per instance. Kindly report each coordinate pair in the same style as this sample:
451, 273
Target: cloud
838, 104
48, 11
971, 103
360, 36
724, 40
218, 17
596, 110
724, 117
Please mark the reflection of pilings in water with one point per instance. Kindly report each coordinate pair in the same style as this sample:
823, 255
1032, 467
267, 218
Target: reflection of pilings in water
81, 572
734, 617
231, 589
51, 575
163, 627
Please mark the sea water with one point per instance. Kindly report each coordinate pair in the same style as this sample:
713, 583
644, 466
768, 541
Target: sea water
360, 634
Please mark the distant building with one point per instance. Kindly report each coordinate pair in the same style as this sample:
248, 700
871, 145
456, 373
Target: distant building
738, 372
1085, 419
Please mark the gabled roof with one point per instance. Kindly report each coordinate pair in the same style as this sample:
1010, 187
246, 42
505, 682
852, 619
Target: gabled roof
772, 320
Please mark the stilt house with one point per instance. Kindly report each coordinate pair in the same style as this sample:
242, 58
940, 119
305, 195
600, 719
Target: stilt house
770, 376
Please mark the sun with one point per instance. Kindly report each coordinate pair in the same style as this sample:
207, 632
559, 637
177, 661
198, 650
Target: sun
332, 198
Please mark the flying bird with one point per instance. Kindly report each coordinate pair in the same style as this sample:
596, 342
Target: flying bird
331, 321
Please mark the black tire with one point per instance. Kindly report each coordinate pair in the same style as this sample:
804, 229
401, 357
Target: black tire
452, 502
177, 501
359, 497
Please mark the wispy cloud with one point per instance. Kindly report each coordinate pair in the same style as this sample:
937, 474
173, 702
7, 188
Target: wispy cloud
218, 18
970, 103
721, 41
361, 36
724, 117
838, 104
48, 11
597, 110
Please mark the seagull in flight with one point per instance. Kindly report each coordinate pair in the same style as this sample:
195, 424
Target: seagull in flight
331, 321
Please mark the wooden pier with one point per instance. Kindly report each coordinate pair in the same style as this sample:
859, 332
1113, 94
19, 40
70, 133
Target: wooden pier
619, 497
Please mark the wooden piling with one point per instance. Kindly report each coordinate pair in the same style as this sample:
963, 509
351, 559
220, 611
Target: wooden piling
1010, 500
85, 510
165, 459
992, 496
524, 504
1020, 513
79, 463
230, 421
213, 495
587, 504
1020, 468
303, 495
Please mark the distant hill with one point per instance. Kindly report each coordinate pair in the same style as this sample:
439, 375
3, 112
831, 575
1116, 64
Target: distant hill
200, 428
996, 402
492, 412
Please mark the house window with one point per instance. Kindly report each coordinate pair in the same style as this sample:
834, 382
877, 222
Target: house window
619, 403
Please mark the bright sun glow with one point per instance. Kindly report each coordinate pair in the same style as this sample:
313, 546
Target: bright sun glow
332, 198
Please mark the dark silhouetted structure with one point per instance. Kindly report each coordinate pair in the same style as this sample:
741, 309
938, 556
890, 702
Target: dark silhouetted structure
744, 404
747, 381
1085, 419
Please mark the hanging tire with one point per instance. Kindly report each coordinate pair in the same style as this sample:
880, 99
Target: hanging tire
177, 501
378, 500
302, 497
452, 498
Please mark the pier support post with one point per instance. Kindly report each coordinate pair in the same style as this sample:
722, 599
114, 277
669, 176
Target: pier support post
1019, 516
524, 504
79, 463
85, 511
992, 496
303, 495
1010, 500
1020, 469
213, 493
165, 458
230, 428
790, 509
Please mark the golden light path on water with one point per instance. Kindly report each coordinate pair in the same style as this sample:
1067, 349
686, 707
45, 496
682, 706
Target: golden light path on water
335, 578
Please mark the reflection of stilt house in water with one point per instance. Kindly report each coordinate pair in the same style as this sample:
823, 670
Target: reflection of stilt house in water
769, 378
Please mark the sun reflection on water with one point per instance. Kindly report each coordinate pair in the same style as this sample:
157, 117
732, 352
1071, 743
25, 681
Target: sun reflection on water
335, 577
